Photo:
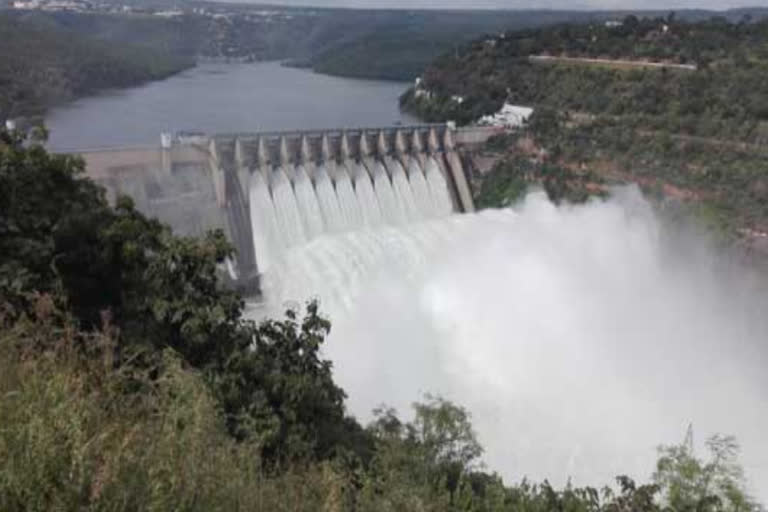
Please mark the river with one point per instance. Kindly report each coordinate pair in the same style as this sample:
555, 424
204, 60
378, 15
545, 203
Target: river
216, 98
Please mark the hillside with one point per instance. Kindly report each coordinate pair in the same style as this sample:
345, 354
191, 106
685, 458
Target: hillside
697, 127
400, 45
43, 67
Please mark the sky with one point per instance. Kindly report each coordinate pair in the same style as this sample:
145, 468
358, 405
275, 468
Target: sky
530, 4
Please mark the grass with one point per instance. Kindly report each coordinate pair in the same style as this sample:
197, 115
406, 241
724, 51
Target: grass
75, 435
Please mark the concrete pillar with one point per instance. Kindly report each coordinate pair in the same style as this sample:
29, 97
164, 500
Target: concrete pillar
262, 155
417, 149
365, 148
285, 157
448, 144
325, 149
381, 144
401, 152
457, 170
304, 151
400, 147
433, 145
344, 147
460, 181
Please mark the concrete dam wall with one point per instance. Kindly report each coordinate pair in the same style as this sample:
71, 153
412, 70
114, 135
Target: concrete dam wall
273, 191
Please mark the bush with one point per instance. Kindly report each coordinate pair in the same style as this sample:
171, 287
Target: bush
77, 435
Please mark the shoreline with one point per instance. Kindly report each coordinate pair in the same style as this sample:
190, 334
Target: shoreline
31, 116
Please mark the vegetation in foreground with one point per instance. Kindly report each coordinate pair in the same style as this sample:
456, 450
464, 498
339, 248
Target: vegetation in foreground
129, 380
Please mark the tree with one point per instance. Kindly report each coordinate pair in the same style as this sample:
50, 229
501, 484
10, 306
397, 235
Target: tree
438, 448
693, 484
157, 291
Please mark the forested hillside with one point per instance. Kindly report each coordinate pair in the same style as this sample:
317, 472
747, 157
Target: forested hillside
399, 45
40, 67
725, 96
695, 133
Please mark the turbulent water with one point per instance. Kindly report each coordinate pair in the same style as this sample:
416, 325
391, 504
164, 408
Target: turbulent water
579, 337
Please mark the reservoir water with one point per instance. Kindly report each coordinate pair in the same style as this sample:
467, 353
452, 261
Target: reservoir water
217, 98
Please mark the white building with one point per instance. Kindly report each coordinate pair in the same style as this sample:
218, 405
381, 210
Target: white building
22, 4
64, 5
166, 140
510, 116
191, 138
419, 91
169, 14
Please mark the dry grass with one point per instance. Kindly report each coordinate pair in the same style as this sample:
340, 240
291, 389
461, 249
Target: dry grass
73, 438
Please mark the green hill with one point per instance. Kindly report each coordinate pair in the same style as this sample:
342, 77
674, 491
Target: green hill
694, 135
43, 67
52, 57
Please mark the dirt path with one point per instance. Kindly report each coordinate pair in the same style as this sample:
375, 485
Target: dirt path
613, 63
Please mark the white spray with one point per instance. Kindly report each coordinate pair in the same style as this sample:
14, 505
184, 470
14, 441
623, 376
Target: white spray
579, 337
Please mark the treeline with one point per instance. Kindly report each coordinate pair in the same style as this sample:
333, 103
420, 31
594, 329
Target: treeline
131, 380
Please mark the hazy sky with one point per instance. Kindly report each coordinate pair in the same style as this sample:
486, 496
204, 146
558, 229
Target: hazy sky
530, 4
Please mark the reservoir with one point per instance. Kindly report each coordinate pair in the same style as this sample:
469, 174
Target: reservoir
225, 98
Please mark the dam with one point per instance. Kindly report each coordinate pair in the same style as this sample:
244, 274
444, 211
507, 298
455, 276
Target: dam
273, 191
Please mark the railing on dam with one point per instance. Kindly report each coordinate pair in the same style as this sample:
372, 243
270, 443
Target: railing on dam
205, 182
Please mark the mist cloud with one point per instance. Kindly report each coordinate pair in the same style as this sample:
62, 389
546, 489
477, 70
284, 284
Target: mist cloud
580, 338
